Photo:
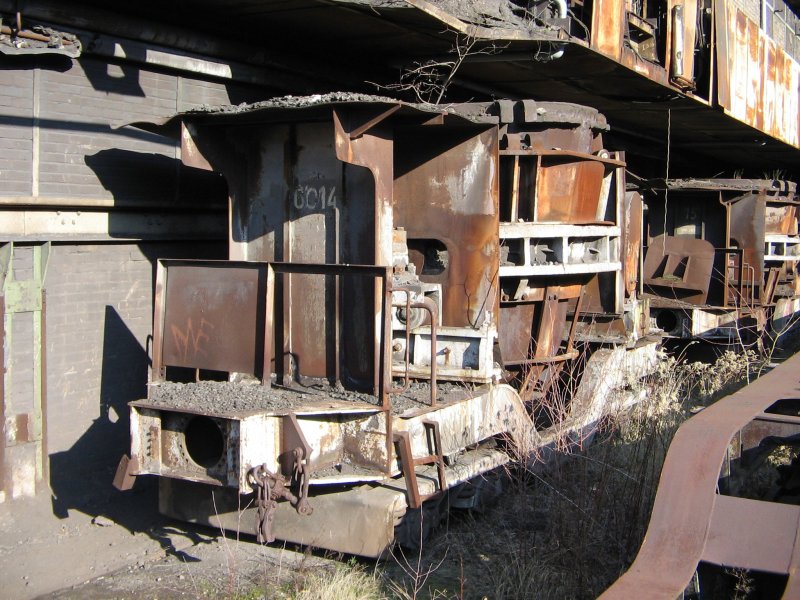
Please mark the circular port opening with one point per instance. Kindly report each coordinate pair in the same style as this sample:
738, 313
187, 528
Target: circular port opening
667, 320
204, 441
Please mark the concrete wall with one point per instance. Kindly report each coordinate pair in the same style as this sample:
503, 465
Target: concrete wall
61, 131
111, 200
99, 319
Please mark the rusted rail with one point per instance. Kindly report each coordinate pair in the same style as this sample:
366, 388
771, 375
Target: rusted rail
692, 522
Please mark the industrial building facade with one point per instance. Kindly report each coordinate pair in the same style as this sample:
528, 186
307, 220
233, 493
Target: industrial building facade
87, 206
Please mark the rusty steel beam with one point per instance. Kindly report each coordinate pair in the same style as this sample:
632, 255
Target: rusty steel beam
691, 522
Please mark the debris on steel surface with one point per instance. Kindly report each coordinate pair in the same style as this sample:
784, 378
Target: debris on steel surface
701, 519
38, 39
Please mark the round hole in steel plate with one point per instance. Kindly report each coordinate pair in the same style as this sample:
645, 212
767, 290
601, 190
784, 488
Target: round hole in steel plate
204, 441
667, 321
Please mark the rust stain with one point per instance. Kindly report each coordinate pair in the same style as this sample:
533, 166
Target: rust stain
758, 79
607, 19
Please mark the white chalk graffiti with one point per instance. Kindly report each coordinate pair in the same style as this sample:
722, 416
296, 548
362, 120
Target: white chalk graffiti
307, 197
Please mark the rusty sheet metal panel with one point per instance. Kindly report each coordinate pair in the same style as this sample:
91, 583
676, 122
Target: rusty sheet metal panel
757, 80
679, 267
292, 199
516, 329
747, 216
608, 20
691, 522
568, 191
363, 142
212, 317
446, 190
633, 210
769, 51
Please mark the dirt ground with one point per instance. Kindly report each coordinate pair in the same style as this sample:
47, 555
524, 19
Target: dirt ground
96, 542
116, 545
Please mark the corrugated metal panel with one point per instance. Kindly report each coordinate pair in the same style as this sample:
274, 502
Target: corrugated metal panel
762, 77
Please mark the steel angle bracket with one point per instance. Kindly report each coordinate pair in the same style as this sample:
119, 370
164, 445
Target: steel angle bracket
127, 470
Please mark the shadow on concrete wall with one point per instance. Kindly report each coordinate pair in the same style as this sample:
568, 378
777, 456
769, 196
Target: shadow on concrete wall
155, 179
80, 478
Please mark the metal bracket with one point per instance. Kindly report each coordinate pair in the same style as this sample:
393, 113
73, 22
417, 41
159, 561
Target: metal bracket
126, 473
294, 460
408, 463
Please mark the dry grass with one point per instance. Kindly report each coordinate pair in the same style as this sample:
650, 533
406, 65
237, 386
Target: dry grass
569, 528
346, 582
563, 529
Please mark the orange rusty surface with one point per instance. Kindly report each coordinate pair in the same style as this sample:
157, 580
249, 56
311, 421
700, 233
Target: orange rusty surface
608, 19
632, 241
652, 71
757, 81
780, 83
768, 60
569, 192
446, 189
755, 110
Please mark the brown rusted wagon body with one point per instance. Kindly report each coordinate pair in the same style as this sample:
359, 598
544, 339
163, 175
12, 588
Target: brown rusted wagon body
403, 289
721, 261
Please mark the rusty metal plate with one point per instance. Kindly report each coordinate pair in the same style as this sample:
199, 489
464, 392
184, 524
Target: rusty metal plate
214, 316
569, 192
516, 323
608, 18
679, 267
758, 80
446, 189
632, 241
747, 216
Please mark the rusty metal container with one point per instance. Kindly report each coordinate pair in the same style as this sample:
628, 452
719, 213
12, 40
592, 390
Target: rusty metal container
403, 281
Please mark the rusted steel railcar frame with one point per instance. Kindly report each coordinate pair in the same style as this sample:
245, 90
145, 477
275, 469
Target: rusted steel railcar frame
159, 316
688, 513
382, 362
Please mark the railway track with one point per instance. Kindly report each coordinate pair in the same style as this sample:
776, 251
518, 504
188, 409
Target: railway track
702, 516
